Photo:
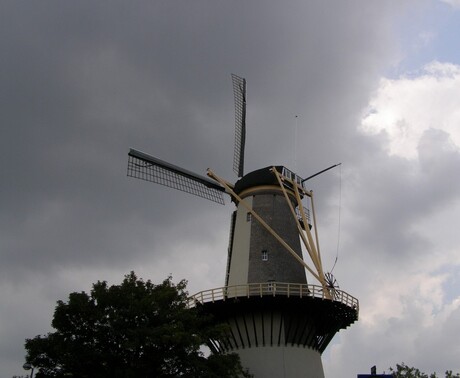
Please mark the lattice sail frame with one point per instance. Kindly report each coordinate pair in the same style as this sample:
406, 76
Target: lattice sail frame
239, 92
149, 168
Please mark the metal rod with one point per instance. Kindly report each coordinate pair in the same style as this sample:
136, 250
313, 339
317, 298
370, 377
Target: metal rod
324, 170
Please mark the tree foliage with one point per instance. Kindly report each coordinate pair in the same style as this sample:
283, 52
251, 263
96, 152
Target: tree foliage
404, 371
135, 329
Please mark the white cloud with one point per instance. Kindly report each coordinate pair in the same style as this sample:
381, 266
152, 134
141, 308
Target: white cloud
452, 3
404, 108
402, 203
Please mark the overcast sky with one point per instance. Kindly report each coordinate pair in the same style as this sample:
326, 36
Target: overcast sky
375, 85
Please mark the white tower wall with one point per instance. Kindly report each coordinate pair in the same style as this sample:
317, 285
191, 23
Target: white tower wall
239, 261
282, 362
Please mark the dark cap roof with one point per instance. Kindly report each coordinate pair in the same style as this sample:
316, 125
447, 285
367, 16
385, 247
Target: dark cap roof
262, 176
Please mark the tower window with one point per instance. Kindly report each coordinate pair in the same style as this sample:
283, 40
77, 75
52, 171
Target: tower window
264, 255
248, 217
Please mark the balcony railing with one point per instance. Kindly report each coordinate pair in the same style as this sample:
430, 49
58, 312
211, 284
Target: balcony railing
273, 289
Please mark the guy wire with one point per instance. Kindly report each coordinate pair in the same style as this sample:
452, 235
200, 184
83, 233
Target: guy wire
338, 227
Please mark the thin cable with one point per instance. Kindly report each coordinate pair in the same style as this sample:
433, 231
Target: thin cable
340, 210
296, 126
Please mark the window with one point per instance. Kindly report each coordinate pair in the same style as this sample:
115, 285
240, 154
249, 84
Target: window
271, 285
264, 255
248, 217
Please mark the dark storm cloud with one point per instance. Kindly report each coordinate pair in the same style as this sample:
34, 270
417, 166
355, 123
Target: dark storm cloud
78, 92
84, 82
393, 194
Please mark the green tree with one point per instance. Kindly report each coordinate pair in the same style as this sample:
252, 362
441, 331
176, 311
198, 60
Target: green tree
404, 371
135, 329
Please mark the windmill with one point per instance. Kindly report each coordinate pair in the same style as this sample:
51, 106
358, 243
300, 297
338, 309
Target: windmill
266, 299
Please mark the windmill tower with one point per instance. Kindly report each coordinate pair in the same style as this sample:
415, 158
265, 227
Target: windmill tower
279, 324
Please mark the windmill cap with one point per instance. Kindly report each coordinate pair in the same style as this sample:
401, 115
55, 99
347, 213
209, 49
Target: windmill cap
263, 176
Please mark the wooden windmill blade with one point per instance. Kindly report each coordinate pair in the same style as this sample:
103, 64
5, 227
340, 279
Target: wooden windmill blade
146, 167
